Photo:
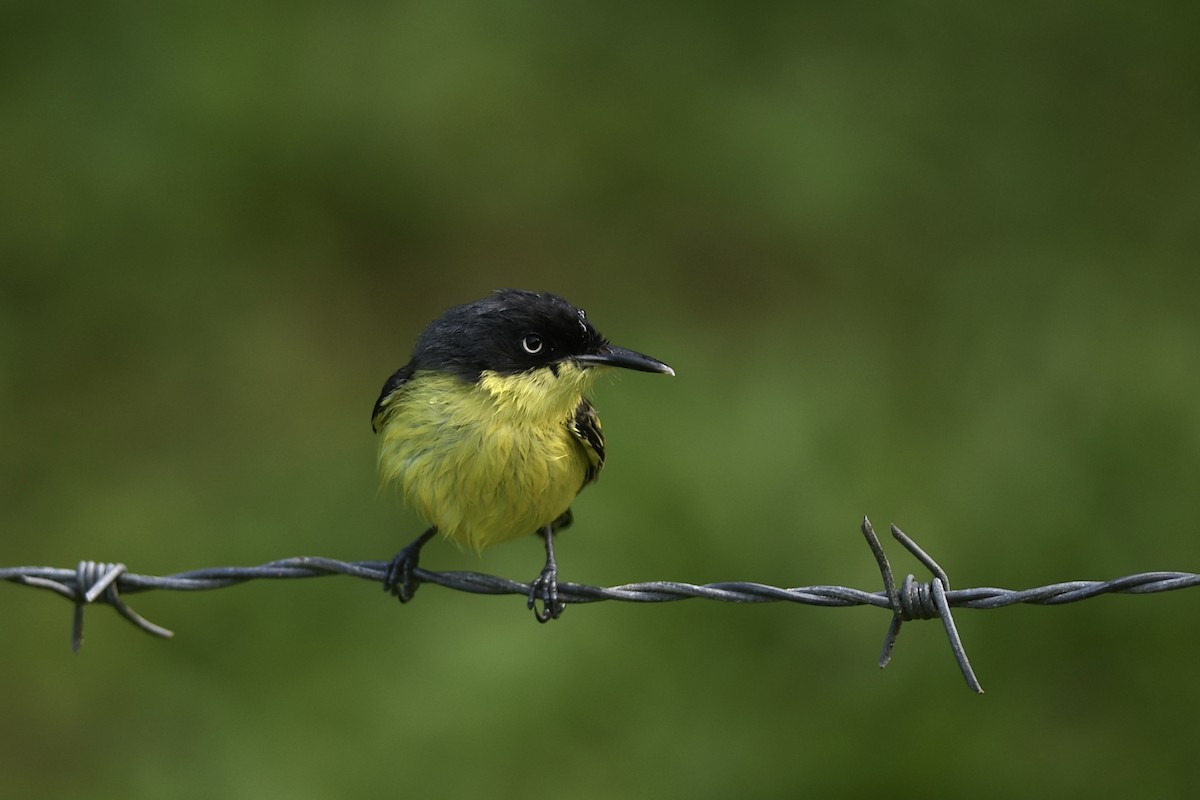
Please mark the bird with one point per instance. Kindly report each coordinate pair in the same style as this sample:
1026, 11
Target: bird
488, 432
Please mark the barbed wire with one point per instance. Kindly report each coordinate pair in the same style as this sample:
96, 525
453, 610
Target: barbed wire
93, 582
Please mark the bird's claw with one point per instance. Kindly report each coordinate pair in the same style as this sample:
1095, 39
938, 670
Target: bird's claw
545, 589
399, 579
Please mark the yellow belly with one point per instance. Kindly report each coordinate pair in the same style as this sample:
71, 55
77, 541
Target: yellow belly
479, 473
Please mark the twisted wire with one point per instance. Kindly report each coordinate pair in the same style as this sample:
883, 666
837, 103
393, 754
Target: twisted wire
97, 582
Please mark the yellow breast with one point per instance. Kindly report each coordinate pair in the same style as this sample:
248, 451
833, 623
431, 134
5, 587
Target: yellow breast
490, 461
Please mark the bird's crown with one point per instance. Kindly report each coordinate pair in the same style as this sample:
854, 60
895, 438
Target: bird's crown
510, 331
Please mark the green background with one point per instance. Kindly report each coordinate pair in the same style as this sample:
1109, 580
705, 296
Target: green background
932, 263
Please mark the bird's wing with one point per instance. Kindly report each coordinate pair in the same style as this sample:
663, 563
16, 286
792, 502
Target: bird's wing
393, 385
585, 426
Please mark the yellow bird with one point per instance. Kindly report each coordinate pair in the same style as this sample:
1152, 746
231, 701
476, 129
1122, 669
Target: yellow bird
488, 431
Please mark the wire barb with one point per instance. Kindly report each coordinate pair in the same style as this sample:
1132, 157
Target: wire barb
92, 582
917, 600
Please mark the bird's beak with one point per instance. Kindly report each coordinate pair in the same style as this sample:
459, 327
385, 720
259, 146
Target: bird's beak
611, 356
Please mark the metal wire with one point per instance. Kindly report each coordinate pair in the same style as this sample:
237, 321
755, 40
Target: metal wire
93, 582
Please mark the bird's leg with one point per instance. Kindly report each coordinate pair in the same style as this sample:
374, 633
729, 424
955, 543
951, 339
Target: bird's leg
399, 579
545, 586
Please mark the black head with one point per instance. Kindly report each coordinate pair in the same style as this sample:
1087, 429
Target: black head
514, 331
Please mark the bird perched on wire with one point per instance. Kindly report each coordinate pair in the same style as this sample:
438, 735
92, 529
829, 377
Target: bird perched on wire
487, 429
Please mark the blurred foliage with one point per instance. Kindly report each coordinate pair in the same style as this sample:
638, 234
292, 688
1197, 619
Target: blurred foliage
930, 262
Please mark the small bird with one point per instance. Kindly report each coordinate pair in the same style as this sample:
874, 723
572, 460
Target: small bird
488, 431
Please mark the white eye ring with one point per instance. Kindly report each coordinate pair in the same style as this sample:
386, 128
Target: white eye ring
532, 344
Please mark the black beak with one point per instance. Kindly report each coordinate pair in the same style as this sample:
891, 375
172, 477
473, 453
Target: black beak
611, 356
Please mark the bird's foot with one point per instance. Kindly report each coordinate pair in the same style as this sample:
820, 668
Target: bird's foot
545, 589
399, 579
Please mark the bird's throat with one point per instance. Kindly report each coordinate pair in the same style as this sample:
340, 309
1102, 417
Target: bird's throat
539, 396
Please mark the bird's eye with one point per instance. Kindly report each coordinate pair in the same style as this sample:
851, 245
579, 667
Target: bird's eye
532, 344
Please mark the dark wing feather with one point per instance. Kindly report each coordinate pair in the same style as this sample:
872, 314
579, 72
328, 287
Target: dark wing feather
398, 379
585, 426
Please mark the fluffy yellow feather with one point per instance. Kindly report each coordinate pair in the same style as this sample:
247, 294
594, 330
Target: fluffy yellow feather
489, 461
